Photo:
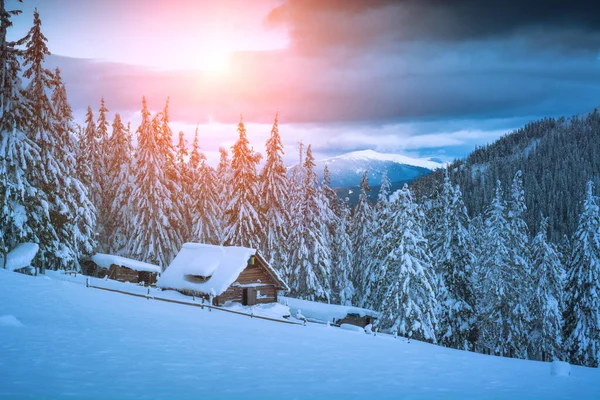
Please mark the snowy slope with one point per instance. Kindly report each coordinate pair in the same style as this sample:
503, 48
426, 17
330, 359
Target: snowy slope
62, 340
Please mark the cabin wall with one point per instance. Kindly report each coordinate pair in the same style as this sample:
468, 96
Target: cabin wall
356, 320
123, 274
268, 294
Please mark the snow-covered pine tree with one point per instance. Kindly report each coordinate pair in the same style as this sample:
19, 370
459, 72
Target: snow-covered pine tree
273, 192
119, 186
498, 333
453, 259
337, 219
19, 199
519, 274
243, 223
310, 254
153, 239
76, 216
295, 197
545, 338
88, 154
102, 201
186, 185
225, 185
582, 317
173, 181
362, 220
374, 270
408, 304
207, 214
47, 174
343, 258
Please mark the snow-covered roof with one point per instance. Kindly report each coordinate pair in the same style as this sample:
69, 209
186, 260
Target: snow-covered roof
325, 312
106, 260
221, 264
20, 257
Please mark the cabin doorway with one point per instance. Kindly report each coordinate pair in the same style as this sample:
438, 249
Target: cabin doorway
248, 296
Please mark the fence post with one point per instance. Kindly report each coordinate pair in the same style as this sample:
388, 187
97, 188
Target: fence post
87, 282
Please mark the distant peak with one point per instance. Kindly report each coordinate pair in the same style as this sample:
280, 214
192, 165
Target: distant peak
397, 158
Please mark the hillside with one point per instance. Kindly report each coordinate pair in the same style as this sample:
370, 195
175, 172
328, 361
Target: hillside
87, 343
557, 157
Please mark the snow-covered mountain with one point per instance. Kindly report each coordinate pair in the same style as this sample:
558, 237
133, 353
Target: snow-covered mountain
347, 169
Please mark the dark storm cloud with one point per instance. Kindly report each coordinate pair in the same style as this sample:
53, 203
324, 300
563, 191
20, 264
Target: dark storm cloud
317, 24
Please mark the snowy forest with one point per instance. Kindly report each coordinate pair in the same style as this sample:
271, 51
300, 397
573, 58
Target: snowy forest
485, 281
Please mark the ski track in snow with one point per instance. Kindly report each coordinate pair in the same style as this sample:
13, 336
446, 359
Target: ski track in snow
78, 342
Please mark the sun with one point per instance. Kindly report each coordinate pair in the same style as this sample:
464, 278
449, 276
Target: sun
213, 61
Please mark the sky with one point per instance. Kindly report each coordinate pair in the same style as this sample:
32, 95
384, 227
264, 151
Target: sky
426, 78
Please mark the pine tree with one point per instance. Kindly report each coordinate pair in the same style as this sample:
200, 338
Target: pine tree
207, 212
225, 184
153, 239
453, 259
102, 199
408, 304
47, 174
186, 184
501, 317
546, 302
374, 270
361, 232
582, 318
310, 255
73, 209
119, 187
19, 198
88, 155
519, 274
273, 192
243, 222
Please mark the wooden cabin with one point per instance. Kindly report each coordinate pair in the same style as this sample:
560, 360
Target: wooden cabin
121, 269
223, 273
356, 319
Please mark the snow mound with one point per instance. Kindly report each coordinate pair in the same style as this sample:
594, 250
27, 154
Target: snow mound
10, 320
560, 368
322, 312
21, 256
106, 260
350, 327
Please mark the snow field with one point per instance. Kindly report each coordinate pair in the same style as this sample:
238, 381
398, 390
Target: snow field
78, 342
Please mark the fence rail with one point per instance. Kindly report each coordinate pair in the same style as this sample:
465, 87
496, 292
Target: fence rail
148, 296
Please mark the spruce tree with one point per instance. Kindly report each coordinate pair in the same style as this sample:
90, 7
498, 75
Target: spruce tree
19, 197
310, 254
75, 213
374, 269
273, 191
186, 185
408, 303
243, 222
47, 175
362, 220
152, 239
546, 300
582, 318
119, 187
453, 258
206, 198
